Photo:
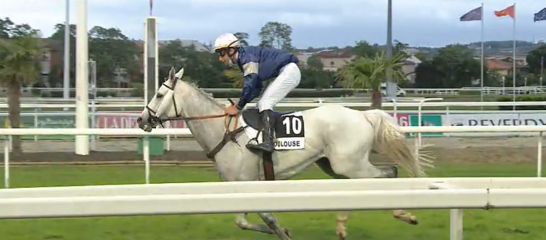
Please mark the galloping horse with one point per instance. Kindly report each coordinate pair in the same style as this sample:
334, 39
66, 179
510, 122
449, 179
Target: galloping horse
336, 138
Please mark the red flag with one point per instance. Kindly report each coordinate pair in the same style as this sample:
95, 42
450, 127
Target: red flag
509, 11
151, 6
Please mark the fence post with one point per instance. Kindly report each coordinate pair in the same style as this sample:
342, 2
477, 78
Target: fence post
146, 155
6, 162
539, 155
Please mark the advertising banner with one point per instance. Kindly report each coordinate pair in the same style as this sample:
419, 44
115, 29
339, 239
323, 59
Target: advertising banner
506, 119
426, 120
43, 122
402, 119
124, 120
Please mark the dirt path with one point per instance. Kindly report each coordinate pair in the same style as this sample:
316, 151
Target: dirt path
459, 150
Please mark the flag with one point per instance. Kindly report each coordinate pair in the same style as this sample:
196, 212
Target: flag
151, 6
473, 15
509, 11
540, 15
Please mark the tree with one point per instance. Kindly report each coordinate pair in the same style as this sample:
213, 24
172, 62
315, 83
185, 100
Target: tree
371, 72
314, 62
111, 49
536, 59
202, 67
364, 49
20, 50
243, 38
453, 67
399, 47
59, 71
276, 34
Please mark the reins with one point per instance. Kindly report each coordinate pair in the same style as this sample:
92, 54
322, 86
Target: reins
229, 135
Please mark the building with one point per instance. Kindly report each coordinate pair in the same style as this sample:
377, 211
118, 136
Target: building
333, 60
410, 64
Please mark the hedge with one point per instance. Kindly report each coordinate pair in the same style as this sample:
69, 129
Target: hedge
523, 98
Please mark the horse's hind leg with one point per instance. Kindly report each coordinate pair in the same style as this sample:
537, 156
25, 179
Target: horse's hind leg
341, 220
368, 171
272, 223
240, 220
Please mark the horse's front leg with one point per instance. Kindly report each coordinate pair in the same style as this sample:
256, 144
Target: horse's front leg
405, 217
242, 222
272, 223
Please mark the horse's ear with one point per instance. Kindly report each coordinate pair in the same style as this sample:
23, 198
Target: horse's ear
171, 73
180, 73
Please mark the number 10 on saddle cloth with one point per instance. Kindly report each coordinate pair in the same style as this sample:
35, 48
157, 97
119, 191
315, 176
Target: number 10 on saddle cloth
289, 131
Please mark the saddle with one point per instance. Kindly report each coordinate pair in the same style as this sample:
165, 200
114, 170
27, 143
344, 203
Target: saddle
252, 118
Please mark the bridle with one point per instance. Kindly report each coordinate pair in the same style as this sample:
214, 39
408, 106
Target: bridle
153, 119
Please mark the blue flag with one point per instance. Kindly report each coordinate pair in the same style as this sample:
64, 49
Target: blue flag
540, 16
473, 15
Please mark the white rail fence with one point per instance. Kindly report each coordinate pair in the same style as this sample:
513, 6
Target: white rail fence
405, 103
419, 104
423, 91
186, 132
282, 196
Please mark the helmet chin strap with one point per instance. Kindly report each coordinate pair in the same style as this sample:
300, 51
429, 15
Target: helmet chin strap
232, 58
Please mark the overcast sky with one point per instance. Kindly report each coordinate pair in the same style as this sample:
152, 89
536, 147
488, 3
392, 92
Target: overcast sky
314, 22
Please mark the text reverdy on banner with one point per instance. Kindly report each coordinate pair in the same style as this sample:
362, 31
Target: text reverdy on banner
509, 119
515, 119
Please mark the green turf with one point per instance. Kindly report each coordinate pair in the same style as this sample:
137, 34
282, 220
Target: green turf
371, 225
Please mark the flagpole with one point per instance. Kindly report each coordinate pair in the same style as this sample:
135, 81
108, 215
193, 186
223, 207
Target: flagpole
482, 60
514, 63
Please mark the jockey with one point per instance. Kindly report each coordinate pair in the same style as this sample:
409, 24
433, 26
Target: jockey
259, 64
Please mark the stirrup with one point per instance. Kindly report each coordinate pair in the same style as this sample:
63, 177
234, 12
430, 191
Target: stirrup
264, 146
267, 134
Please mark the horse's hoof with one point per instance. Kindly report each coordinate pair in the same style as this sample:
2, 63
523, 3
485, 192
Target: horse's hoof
287, 232
342, 235
394, 172
403, 216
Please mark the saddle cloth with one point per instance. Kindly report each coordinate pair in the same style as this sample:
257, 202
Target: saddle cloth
250, 119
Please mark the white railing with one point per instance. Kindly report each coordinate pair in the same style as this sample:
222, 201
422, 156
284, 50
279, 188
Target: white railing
424, 91
309, 104
186, 133
297, 196
417, 103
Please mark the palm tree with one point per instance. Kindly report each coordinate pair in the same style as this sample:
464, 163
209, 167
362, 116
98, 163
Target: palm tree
371, 72
19, 63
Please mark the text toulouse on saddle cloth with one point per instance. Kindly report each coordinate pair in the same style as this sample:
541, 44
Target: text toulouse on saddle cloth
289, 128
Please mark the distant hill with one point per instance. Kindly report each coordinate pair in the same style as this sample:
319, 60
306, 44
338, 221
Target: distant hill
492, 48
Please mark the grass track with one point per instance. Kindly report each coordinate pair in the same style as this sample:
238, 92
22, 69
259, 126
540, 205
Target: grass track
521, 224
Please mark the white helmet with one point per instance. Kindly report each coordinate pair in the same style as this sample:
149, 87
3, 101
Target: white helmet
226, 40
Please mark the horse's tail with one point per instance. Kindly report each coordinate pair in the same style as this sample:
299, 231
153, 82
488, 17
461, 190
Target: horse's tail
390, 141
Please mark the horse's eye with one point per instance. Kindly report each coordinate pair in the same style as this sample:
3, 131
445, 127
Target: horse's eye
159, 95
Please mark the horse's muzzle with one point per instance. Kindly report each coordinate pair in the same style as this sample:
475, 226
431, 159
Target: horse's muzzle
146, 126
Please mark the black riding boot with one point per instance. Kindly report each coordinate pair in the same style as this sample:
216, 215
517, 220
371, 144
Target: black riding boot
267, 144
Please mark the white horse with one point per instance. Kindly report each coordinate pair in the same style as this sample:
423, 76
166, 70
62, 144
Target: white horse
336, 138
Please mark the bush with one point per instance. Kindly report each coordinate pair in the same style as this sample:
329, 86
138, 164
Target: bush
37, 92
523, 98
138, 89
235, 93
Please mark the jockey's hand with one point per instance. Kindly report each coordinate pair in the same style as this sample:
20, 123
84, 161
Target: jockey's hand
231, 110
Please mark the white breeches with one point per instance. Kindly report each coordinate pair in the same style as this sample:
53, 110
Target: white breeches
288, 79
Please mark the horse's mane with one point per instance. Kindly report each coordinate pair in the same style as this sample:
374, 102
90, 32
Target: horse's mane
206, 94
